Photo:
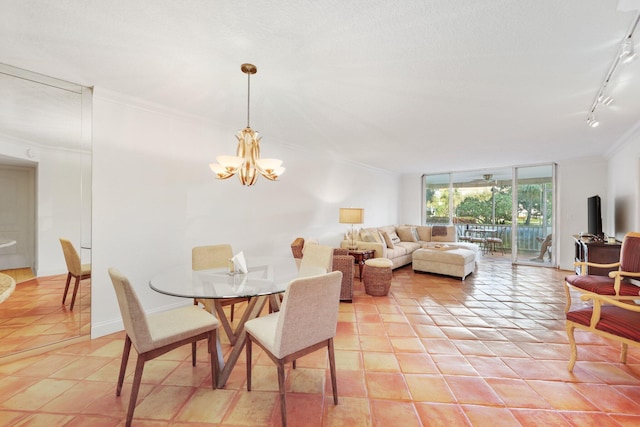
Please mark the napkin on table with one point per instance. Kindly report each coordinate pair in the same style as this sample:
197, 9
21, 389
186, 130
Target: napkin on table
239, 263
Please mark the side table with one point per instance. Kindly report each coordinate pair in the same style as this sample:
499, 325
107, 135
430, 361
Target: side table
361, 255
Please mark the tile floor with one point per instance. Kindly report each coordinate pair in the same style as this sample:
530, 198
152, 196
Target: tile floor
25, 324
489, 351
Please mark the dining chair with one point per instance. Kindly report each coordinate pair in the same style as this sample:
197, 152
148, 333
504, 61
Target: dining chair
617, 284
75, 268
316, 259
306, 322
214, 256
156, 334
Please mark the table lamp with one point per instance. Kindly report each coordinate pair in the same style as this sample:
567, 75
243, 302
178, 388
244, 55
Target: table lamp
351, 216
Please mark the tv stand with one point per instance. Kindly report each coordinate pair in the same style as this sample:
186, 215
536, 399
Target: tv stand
589, 249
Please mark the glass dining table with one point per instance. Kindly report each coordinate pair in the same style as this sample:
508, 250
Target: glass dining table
264, 280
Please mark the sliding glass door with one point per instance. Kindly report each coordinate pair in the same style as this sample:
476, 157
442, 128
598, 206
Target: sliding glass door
534, 218
509, 212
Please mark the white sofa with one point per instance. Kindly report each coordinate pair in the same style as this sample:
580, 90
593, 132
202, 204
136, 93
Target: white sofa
398, 242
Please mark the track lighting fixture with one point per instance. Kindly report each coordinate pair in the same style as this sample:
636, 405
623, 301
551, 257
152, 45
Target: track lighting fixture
626, 53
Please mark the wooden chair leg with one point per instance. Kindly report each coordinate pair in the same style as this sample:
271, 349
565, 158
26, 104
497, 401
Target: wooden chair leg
215, 367
123, 364
193, 353
137, 378
75, 292
232, 306
283, 401
332, 368
572, 344
248, 357
66, 288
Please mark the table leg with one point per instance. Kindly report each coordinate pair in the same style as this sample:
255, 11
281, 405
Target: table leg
254, 308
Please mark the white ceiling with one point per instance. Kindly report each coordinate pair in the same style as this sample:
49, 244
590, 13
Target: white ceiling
403, 85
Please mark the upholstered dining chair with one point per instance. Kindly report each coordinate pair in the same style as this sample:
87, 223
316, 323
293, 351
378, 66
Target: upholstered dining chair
76, 270
316, 259
306, 322
617, 285
214, 256
342, 261
156, 334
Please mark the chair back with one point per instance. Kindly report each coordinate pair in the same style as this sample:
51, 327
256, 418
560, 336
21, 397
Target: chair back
211, 256
71, 257
317, 259
309, 313
133, 315
630, 253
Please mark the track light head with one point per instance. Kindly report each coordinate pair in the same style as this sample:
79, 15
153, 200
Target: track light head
627, 51
592, 122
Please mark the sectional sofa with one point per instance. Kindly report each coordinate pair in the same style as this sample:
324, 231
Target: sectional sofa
399, 242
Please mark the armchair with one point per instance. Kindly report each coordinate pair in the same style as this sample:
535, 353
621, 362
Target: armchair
618, 284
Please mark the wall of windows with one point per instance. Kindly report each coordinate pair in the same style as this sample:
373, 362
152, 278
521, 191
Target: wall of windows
512, 206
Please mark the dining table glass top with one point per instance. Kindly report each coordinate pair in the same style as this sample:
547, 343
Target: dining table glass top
265, 276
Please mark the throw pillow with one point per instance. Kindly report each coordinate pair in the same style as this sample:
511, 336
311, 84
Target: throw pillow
414, 231
387, 240
424, 232
394, 238
406, 234
378, 237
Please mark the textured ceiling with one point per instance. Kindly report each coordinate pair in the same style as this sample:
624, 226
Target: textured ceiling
406, 85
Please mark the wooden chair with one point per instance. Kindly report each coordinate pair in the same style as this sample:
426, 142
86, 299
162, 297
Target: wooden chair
76, 270
608, 317
617, 284
156, 334
306, 322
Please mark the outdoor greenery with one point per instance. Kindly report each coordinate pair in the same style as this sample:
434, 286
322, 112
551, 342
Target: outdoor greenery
488, 205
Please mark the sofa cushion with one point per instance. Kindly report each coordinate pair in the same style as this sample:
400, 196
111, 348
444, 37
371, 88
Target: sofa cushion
443, 233
396, 252
387, 239
366, 236
424, 233
409, 246
406, 234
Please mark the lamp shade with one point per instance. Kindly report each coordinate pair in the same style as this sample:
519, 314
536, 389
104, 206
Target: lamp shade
351, 215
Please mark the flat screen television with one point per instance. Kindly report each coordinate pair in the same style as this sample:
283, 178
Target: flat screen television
595, 217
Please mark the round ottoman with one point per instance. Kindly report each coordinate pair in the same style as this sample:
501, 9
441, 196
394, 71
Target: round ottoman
377, 276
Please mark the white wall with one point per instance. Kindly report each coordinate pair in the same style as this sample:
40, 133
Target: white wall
154, 198
578, 179
623, 207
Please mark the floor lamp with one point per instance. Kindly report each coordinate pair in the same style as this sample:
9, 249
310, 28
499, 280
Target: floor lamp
351, 216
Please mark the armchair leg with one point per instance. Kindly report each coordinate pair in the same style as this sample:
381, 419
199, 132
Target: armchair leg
574, 348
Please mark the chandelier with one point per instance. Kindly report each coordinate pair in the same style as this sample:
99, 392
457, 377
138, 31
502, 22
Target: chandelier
247, 162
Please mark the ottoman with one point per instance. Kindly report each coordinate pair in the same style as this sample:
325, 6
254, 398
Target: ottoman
445, 260
377, 276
